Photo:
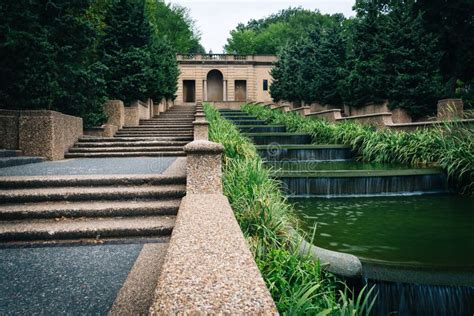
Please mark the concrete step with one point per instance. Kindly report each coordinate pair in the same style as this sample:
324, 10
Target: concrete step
9, 153
74, 193
17, 161
86, 228
130, 144
156, 128
156, 134
127, 139
124, 149
164, 132
25, 182
127, 154
46, 210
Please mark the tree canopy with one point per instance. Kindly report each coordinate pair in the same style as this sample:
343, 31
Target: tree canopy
71, 56
392, 50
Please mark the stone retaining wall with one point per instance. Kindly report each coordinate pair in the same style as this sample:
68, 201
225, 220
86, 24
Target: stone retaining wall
48, 134
328, 115
231, 105
132, 115
9, 124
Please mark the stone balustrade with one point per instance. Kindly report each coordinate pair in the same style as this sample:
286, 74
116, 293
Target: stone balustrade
209, 268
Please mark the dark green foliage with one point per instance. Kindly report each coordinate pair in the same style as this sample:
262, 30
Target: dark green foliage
449, 146
71, 56
141, 64
385, 53
174, 24
45, 63
269, 35
297, 284
412, 59
453, 23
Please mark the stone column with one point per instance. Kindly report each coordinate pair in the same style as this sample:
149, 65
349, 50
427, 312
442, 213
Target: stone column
201, 130
205, 90
224, 93
204, 167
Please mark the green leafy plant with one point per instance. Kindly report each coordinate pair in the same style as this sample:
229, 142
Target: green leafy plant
448, 146
298, 284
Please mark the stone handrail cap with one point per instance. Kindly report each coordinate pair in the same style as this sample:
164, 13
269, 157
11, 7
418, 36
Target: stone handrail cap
204, 147
201, 123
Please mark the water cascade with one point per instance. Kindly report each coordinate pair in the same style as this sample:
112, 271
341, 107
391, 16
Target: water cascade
416, 241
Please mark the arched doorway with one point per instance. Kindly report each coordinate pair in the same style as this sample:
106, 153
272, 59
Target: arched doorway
215, 85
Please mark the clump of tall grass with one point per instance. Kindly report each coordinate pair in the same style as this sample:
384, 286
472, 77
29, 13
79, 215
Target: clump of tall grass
449, 146
298, 285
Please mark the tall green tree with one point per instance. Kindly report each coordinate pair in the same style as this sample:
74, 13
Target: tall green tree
46, 58
453, 24
366, 78
412, 61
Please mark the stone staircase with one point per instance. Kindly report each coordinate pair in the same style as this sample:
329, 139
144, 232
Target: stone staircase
10, 158
164, 135
84, 207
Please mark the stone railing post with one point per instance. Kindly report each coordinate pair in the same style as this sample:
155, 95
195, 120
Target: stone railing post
115, 111
201, 130
204, 167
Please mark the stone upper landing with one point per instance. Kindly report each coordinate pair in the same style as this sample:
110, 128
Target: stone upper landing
225, 59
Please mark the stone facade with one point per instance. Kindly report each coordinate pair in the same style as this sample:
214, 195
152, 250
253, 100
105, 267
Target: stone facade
48, 134
224, 78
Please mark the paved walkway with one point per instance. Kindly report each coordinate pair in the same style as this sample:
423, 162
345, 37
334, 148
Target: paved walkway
92, 166
58, 280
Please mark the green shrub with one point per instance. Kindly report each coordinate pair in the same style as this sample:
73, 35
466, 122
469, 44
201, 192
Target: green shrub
297, 284
449, 147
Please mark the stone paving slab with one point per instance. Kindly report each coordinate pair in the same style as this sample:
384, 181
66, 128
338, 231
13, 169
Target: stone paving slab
88, 166
72, 280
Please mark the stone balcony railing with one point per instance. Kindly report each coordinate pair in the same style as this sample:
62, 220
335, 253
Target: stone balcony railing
226, 58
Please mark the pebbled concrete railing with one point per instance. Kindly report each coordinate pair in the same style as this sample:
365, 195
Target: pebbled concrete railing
209, 268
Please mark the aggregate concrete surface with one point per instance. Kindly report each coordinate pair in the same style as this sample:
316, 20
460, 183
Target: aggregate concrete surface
90, 166
61, 280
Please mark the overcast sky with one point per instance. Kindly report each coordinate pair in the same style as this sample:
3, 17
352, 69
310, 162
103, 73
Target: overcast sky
216, 18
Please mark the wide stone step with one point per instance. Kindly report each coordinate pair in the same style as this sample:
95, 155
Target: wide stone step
164, 132
86, 228
130, 144
248, 122
127, 139
88, 181
124, 149
156, 128
127, 154
9, 153
87, 209
89, 194
17, 161
262, 128
189, 134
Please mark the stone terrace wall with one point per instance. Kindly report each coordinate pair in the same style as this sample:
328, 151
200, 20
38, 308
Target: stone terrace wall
9, 124
48, 134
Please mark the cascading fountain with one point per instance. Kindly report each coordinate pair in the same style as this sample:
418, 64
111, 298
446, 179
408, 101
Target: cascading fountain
415, 240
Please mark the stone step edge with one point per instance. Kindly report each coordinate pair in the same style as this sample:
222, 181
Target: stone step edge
88, 180
87, 228
46, 210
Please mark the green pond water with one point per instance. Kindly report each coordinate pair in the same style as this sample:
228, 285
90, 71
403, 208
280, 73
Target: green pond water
428, 230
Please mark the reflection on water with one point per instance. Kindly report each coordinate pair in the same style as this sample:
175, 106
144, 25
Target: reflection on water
427, 229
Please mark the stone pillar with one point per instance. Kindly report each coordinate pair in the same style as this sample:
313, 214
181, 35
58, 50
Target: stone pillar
449, 109
200, 117
204, 167
224, 92
201, 130
205, 90
115, 111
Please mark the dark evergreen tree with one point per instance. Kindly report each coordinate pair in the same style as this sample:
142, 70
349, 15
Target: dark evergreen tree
366, 80
412, 61
46, 58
